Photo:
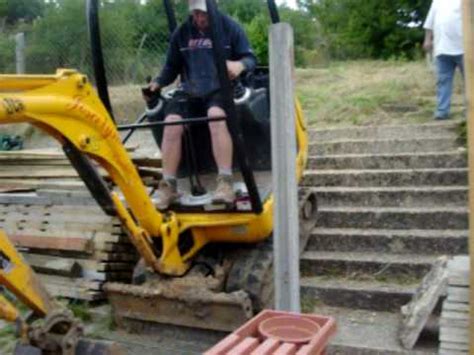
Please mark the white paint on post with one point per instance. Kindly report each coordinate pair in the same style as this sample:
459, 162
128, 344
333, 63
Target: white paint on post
20, 53
286, 228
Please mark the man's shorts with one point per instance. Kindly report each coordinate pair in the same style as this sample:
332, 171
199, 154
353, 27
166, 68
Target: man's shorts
186, 106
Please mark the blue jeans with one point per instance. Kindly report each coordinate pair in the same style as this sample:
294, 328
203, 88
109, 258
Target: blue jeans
446, 66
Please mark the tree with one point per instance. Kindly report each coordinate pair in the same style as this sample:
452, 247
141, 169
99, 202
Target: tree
26, 10
244, 11
370, 28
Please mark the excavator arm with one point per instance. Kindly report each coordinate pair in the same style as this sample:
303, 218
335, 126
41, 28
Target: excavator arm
66, 107
58, 331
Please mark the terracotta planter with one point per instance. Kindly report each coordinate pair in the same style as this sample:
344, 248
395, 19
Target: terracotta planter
279, 333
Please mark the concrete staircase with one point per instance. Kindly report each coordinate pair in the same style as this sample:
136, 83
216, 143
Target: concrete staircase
391, 200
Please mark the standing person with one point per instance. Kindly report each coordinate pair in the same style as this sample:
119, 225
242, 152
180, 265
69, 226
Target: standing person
444, 36
190, 56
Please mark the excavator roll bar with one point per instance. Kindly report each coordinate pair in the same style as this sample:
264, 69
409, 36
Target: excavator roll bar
226, 85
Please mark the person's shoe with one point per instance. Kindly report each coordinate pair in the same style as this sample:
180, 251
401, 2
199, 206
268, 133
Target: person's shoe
441, 118
167, 194
224, 192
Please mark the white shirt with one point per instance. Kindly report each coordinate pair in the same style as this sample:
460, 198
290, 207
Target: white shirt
445, 20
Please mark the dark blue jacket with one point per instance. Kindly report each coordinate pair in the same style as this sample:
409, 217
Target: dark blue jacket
190, 55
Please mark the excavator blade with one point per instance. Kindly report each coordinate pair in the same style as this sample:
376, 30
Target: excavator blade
193, 306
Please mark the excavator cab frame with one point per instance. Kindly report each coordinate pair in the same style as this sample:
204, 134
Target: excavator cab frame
233, 115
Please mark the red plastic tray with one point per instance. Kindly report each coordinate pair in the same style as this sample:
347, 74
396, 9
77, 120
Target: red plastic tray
249, 340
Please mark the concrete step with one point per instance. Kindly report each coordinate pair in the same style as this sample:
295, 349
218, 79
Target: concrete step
361, 294
387, 146
400, 196
402, 177
393, 217
428, 130
390, 161
362, 332
382, 266
411, 241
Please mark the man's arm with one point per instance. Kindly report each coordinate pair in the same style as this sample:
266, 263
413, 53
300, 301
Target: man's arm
429, 26
172, 67
244, 58
428, 43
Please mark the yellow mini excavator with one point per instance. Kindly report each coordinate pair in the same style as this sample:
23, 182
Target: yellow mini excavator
50, 328
202, 265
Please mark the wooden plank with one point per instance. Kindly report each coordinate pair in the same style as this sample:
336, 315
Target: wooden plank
468, 23
286, 229
73, 267
453, 346
51, 153
66, 244
459, 271
454, 323
59, 230
39, 173
7, 164
97, 240
147, 162
28, 196
74, 292
458, 294
68, 198
72, 282
68, 210
53, 265
65, 184
453, 334
417, 312
455, 306
14, 189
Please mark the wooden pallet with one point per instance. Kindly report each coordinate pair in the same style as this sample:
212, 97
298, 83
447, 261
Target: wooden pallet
47, 211
454, 323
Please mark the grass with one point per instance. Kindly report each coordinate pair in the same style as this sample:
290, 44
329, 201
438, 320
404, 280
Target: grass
345, 93
371, 93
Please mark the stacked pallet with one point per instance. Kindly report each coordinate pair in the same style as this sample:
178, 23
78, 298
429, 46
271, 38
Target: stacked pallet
454, 330
74, 247
46, 210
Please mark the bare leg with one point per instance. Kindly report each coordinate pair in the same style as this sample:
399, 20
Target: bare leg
221, 140
171, 146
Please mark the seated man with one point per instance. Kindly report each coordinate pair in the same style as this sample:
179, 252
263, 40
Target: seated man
190, 55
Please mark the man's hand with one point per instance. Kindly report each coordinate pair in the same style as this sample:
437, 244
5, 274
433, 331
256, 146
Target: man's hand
234, 69
148, 92
154, 86
428, 43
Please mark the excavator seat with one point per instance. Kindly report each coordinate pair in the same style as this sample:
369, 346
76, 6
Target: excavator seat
252, 104
253, 113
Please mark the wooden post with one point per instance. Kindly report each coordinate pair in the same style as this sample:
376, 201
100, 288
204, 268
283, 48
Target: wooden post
468, 20
286, 228
20, 53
